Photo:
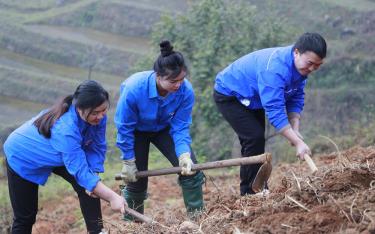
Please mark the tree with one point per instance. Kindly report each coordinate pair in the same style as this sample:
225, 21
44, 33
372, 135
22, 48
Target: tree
212, 34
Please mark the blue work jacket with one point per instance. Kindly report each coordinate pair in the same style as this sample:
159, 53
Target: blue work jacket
265, 79
74, 143
141, 108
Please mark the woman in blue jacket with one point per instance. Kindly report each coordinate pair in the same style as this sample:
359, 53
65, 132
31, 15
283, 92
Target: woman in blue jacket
269, 81
155, 107
67, 139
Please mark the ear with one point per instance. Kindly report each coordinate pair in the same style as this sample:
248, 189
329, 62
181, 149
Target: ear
296, 51
81, 113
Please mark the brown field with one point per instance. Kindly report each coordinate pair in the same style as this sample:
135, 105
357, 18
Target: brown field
339, 198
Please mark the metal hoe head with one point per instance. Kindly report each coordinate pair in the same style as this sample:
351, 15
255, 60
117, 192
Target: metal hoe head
262, 177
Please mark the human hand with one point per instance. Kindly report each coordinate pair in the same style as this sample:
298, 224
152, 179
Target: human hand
186, 163
118, 203
302, 149
128, 171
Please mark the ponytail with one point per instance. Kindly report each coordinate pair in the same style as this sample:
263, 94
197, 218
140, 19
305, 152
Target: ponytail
45, 122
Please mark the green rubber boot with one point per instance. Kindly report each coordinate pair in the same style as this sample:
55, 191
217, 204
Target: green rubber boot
135, 201
193, 194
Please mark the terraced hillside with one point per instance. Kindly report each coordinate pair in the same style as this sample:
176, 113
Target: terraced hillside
48, 47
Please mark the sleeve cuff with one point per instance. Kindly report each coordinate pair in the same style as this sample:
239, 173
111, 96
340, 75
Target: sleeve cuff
92, 184
127, 157
182, 149
286, 127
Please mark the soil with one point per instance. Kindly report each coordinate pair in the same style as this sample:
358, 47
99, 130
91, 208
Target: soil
339, 198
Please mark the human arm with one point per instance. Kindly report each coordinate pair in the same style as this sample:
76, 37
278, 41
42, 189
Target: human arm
301, 147
271, 90
67, 139
180, 131
294, 107
180, 124
126, 118
96, 150
116, 201
294, 120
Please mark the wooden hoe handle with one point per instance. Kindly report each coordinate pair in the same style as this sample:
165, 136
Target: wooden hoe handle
266, 157
311, 163
139, 216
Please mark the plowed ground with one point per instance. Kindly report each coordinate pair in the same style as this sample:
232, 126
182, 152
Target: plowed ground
339, 198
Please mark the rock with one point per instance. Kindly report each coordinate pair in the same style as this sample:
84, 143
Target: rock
188, 227
347, 32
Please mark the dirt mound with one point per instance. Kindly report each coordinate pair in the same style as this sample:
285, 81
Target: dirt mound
339, 198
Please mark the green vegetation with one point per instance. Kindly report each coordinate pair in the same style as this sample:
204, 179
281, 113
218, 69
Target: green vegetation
47, 47
210, 49
360, 5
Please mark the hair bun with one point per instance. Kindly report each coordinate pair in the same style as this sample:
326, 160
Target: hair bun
166, 48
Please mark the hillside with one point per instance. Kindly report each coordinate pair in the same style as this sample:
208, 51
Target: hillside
47, 47
337, 199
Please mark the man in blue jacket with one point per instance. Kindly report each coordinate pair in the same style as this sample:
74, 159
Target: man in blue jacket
268, 82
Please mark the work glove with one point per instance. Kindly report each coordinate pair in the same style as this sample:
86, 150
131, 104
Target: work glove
302, 149
128, 171
185, 162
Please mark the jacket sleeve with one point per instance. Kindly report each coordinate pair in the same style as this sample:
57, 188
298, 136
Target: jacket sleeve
126, 118
68, 142
271, 91
95, 153
296, 102
180, 124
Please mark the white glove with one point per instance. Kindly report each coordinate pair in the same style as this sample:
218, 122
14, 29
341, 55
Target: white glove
185, 162
128, 171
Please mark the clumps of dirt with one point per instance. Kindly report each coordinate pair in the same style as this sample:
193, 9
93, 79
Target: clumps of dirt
62, 217
339, 198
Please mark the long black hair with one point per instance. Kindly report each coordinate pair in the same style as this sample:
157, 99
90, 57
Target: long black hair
170, 63
88, 95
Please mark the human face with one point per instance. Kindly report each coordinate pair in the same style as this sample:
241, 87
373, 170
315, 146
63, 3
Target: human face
96, 115
166, 85
306, 62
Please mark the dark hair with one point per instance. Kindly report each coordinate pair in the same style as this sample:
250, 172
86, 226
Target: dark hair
88, 95
170, 63
313, 42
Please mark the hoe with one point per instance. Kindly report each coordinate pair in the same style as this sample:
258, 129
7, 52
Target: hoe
257, 186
